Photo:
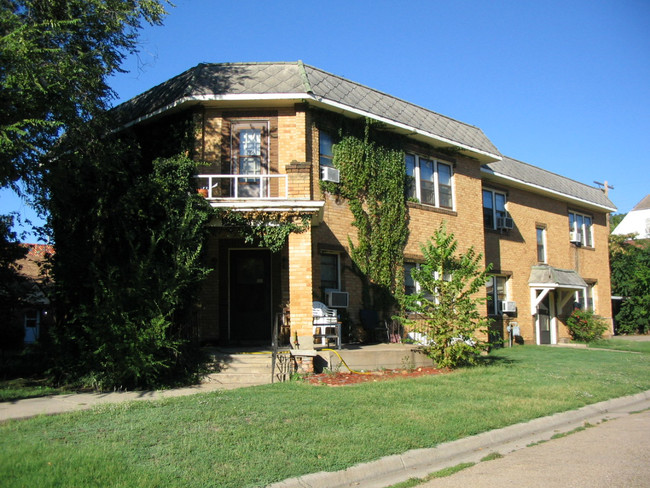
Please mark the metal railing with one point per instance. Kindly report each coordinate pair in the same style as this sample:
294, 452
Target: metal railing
215, 187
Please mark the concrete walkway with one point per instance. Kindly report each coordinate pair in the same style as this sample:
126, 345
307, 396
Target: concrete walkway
54, 404
419, 463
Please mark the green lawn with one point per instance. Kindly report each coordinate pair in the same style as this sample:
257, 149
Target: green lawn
19, 388
254, 436
623, 344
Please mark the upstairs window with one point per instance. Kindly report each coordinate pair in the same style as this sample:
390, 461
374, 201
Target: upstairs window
541, 244
429, 181
494, 208
326, 155
580, 229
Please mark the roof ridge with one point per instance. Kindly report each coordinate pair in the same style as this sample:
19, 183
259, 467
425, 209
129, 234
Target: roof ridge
394, 97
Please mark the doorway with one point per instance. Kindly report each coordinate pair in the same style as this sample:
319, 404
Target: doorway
544, 321
250, 297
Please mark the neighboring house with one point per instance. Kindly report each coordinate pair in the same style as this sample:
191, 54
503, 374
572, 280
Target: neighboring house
31, 311
266, 130
637, 221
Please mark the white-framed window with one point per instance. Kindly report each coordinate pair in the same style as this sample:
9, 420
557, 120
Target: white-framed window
412, 286
581, 229
496, 292
494, 207
541, 243
429, 181
326, 154
330, 271
585, 298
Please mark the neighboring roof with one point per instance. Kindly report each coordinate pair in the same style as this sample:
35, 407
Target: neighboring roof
295, 80
644, 204
31, 265
532, 177
637, 221
549, 277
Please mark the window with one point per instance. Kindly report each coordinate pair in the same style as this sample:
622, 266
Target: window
496, 293
541, 244
585, 298
411, 286
429, 181
249, 150
325, 149
581, 229
494, 207
330, 271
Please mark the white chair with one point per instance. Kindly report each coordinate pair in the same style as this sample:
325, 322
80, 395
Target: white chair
325, 325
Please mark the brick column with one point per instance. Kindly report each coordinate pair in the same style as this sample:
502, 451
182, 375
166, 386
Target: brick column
299, 180
300, 289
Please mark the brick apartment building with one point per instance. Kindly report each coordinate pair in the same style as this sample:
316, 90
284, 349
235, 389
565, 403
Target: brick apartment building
266, 132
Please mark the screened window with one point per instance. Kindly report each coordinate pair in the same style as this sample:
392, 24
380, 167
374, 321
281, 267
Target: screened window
330, 272
496, 293
429, 181
494, 207
541, 244
325, 144
580, 228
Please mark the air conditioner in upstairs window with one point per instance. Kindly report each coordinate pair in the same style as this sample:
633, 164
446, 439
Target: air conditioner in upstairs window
337, 299
576, 237
508, 307
330, 174
505, 223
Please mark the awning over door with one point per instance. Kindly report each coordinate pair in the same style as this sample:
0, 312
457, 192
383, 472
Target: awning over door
544, 278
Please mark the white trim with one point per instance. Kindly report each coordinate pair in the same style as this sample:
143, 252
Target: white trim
307, 96
547, 190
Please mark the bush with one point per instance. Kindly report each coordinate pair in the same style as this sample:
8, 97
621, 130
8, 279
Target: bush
585, 326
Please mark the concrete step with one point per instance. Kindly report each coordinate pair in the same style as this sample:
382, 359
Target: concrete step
234, 370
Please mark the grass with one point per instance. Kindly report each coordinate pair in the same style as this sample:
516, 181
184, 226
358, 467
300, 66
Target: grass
19, 388
258, 435
622, 344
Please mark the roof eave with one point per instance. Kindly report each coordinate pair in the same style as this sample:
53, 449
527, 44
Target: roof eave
492, 175
480, 155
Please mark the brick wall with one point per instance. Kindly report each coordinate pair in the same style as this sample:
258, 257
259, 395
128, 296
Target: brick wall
514, 252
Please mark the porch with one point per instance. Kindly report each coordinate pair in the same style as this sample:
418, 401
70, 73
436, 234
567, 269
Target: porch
247, 366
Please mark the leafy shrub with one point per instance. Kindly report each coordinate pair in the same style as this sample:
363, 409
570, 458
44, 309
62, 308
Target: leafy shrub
445, 312
585, 326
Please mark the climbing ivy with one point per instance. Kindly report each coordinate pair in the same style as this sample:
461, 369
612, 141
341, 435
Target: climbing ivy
268, 230
372, 179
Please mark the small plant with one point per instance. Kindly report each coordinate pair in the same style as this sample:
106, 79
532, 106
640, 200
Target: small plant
407, 363
585, 326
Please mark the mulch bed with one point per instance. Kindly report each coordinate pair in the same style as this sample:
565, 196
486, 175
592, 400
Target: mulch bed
345, 379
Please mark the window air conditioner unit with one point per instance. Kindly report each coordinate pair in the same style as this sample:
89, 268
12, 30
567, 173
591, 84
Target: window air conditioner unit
505, 223
576, 237
508, 307
330, 174
337, 299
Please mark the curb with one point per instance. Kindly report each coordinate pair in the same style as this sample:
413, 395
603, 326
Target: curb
419, 463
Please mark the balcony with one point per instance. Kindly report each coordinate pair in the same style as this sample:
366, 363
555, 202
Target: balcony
244, 187
260, 193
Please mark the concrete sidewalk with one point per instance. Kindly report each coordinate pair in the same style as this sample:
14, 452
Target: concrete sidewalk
421, 462
53, 404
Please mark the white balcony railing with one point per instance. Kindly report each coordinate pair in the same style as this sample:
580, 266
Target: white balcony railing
243, 186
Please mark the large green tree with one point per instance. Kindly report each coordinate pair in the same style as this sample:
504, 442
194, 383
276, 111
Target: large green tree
55, 60
630, 266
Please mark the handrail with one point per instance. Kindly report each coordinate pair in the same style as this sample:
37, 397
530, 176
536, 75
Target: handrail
228, 186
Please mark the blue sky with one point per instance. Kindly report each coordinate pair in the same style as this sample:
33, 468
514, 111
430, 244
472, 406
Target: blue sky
564, 85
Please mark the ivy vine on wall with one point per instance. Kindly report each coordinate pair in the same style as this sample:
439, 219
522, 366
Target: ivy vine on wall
372, 179
269, 230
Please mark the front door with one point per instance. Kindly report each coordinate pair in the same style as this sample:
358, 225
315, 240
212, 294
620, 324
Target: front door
544, 321
250, 294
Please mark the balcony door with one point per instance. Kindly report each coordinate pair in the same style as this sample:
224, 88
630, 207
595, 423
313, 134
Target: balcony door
249, 152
